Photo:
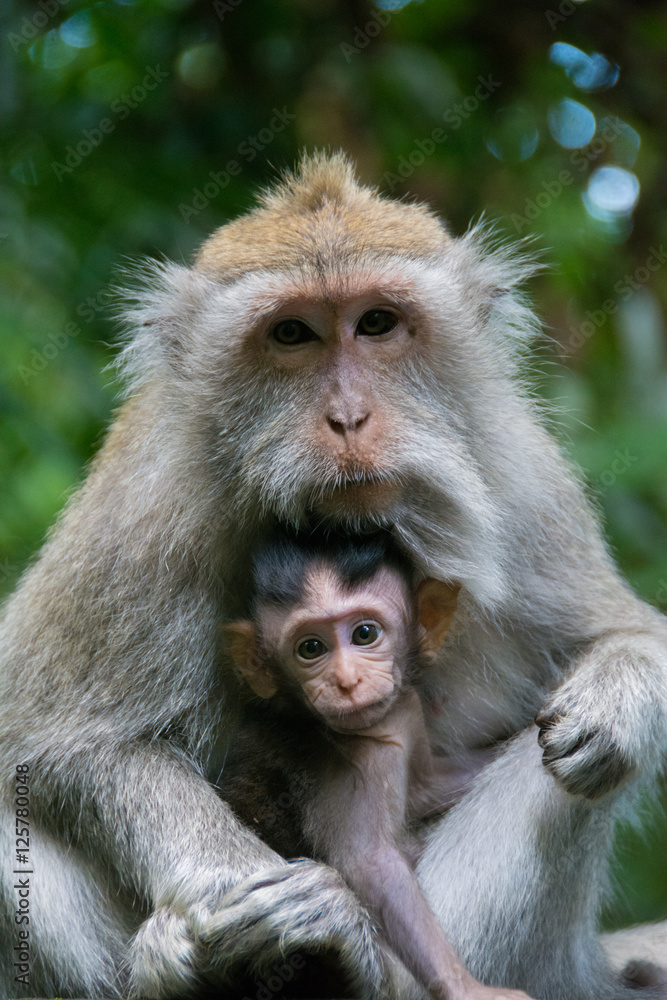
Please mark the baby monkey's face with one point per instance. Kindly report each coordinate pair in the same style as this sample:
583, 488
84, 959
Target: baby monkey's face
343, 650
346, 648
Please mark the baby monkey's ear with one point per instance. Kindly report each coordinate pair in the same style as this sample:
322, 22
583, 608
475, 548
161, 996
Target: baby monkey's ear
240, 639
436, 604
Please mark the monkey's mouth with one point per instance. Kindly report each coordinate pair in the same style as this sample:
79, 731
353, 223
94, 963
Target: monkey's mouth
357, 493
359, 474
357, 720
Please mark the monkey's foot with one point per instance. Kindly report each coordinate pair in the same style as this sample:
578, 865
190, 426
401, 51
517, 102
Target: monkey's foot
162, 958
301, 906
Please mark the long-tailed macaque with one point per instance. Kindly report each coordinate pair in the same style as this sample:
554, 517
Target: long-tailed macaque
332, 356
335, 644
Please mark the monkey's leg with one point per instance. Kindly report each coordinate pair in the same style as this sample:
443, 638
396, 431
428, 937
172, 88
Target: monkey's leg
645, 945
515, 874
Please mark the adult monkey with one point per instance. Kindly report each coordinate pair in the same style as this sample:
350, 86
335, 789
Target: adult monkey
330, 355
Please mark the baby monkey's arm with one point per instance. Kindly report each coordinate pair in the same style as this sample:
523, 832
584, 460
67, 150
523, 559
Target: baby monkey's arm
357, 822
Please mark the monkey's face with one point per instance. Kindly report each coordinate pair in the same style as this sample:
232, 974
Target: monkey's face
340, 410
334, 355
342, 352
346, 649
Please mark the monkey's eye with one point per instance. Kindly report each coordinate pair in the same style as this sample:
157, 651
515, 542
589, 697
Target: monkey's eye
376, 322
292, 331
364, 635
311, 649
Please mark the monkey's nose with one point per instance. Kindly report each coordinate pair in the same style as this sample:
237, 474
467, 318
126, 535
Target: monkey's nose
348, 684
350, 426
346, 672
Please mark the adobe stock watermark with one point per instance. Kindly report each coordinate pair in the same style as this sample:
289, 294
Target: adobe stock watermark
120, 109
246, 152
58, 340
580, 159
222, 7
564, 10
621, 462
454, 117
624, 288
33, 25
378, 20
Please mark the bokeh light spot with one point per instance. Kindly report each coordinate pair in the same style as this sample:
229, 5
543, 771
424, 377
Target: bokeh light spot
52, 51
394, 4
78, 30
624, 142
589, 73
514, 135
571, 124
201, 66
612, 193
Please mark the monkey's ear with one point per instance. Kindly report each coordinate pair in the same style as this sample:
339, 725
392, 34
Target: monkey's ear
436, 604
240, 637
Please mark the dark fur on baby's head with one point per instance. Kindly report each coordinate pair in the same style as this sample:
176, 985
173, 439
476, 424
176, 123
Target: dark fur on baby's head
281, 564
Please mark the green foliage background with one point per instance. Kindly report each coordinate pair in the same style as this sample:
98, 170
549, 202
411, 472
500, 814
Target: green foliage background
96, 167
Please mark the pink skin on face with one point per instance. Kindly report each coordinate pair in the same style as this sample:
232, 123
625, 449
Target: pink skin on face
337, 338
352, 685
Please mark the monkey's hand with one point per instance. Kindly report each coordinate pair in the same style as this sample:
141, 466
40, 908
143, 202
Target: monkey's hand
300, 906
608, 720
581, 750
163, 961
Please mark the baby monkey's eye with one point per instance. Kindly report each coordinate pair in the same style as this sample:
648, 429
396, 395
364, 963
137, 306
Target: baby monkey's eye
376, 322
363, 635
310, 649
292, 331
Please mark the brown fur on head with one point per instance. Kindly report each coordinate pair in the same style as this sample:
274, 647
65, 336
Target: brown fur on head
318, 212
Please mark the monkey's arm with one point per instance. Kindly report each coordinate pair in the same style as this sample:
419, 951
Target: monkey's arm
606, 718
382, 878
218, 897
149, 818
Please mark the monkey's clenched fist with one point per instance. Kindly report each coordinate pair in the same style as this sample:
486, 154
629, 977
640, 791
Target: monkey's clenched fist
302, 906
602, 725
586, 761
299, 907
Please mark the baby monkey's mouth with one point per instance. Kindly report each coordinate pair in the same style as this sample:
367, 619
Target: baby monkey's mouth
358, 720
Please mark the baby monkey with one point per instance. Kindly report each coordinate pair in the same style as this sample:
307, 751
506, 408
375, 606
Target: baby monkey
335, 761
